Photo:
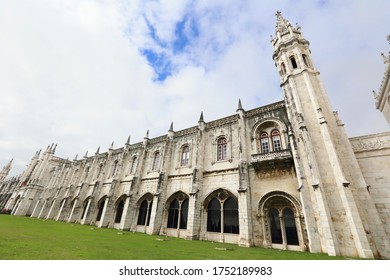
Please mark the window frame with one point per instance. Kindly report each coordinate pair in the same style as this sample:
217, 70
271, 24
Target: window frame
133, 165
222, 152
276, 137
264, 139
156, 161
185, 155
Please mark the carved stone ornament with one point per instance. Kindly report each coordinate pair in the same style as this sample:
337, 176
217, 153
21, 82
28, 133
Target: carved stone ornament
376, 142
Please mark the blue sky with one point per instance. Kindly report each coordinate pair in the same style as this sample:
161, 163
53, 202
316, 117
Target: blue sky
84, 73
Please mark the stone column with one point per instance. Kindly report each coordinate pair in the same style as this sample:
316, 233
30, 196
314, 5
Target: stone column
124, 219
42, 209
35, 208
193, 223
153, 227
60, 211
244, 214
51, 209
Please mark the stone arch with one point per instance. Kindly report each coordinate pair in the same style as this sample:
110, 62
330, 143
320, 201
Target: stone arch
268, 122
221, 208
281, 211
177, 211
268, 125
144, 209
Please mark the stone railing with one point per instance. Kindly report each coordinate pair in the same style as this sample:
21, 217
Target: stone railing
272, 159
272, 155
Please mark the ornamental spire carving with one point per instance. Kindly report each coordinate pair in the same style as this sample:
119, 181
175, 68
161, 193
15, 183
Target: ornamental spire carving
281, 23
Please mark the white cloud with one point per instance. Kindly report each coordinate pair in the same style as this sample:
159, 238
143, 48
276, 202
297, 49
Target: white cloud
73, 74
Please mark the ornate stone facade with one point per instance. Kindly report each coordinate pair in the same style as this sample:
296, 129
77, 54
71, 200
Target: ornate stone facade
283, 175
383, 97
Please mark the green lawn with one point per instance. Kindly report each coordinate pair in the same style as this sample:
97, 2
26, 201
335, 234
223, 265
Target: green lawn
23, 238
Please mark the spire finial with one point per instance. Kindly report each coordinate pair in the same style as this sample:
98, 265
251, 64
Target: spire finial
112, 145
147, 134
239, 104
86, 154
281, 22
376, 96
171, 127
98, 150
128, 141
201, 117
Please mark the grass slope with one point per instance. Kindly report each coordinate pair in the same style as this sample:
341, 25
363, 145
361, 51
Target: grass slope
23, 238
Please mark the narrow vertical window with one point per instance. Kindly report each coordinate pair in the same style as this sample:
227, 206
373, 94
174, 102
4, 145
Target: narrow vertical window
156, 161
100, 170
293, 62
133, 165
276, 141
86, 173
114, 168
222, 149
264, 142
305, 59
283, 69
185, 155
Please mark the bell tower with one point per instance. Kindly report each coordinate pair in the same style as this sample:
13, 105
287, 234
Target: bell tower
338, 210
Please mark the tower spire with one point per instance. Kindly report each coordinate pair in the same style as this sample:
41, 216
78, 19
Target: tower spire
281, 23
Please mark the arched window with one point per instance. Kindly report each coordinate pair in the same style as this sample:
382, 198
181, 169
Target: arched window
119, 211
144, 212
100, 171
222, 149
293, 62
283, 228
264, 142
86, 173
305, 59
133, 165
101, 204
156, 161
185, 155
225, 221
114, 168
177, 214
283, 69
276, 140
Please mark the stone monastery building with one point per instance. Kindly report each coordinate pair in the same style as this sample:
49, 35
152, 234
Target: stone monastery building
284, 175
